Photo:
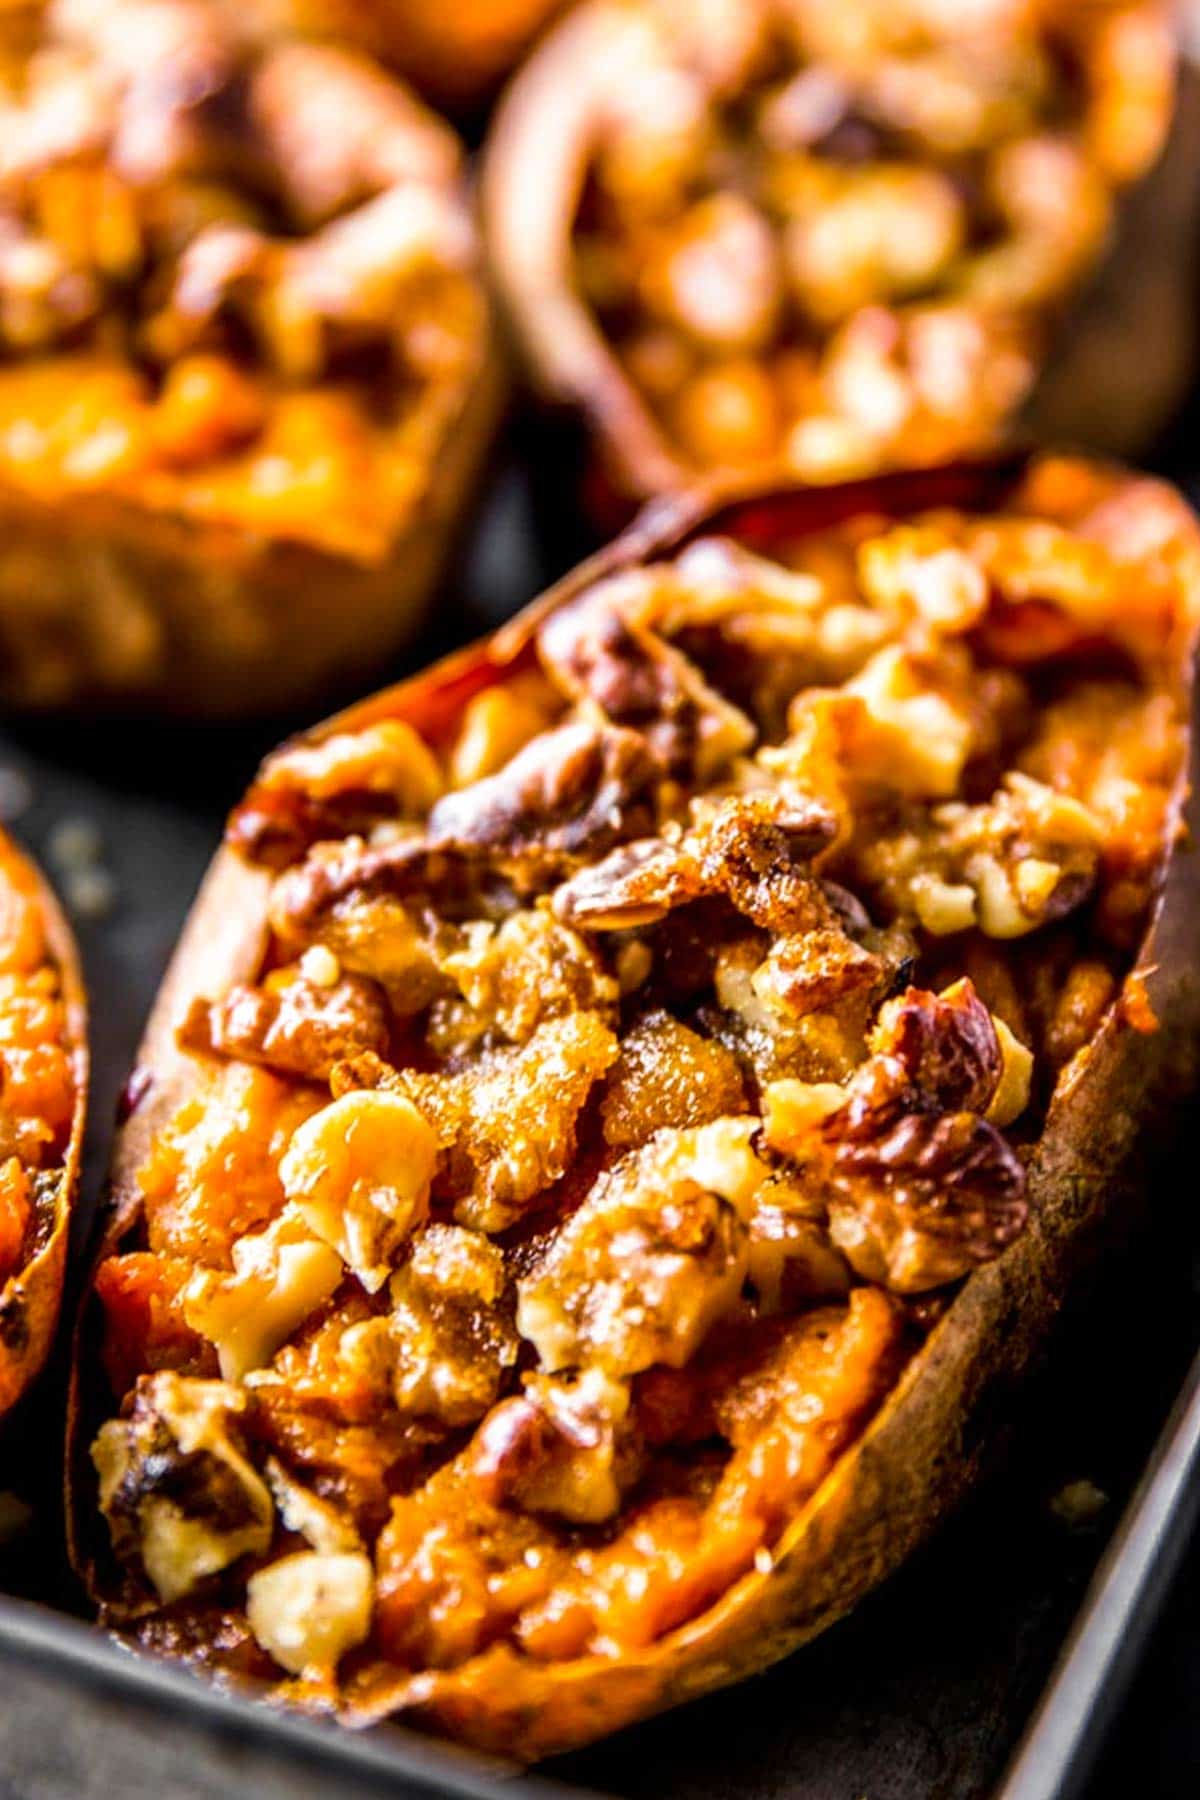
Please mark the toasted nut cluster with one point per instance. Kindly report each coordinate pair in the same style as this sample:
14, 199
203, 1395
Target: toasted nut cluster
237, 279
634, 1068
828, 239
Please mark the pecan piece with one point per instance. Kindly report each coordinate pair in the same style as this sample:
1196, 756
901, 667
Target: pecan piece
566, 1447
637, 680
946, 1044
635, 885
917, 1197
294, 1026
570, 793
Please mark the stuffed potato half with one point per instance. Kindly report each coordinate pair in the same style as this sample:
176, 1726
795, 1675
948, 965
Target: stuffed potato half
810, 240
628, 1102
43, 1102
248, 367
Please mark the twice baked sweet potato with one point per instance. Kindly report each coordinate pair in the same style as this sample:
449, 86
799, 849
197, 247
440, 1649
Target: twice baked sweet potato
43, 1101
248, 365
807, 239
628, 1102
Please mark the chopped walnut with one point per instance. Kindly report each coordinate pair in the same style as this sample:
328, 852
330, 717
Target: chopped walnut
1011, 865
359, 1172
917, 1196
946, 1045
654, 1255
179, 1494
566, 1447
448, 1340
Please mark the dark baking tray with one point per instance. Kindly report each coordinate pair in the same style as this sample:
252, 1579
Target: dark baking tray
921, 1695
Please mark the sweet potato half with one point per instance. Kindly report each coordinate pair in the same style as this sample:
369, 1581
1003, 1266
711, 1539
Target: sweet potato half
809, 240
43, 1102
628, 1104
249, 366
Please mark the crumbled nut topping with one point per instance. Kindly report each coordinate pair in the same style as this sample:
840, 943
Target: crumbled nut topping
622, 1097
238, 279
828, 244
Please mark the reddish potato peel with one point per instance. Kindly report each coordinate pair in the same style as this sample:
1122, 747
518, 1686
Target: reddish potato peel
797, 1528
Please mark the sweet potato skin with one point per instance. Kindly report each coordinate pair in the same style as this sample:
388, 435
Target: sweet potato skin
926, 1445
30, 1299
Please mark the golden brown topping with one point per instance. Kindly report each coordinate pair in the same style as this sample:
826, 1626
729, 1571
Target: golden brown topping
448, 1340
667, 1075
654, 1255
822, 248
514, 976
507, 1122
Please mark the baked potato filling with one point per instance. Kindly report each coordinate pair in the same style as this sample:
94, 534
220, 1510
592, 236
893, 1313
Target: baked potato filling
828, 238
37, 1077
636, 1066
238, 282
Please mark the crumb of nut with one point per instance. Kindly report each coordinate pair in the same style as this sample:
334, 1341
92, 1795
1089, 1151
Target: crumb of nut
75, 847
634, 961
1077, 1503
16, 1516
320, 966
74, 842
764, 1562
91, 893
16, 794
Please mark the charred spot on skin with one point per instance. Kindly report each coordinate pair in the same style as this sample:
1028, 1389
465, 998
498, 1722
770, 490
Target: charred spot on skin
137, 1087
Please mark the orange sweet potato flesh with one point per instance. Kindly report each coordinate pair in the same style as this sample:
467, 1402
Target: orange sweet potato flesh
43, 1023
907, 1429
